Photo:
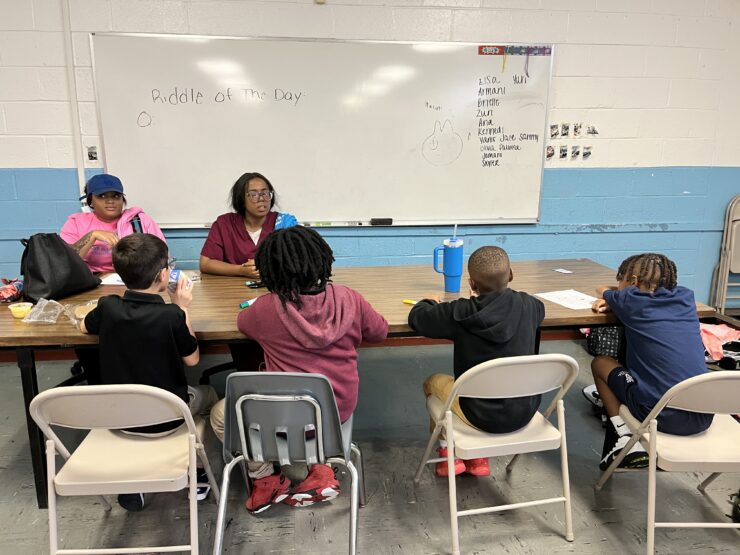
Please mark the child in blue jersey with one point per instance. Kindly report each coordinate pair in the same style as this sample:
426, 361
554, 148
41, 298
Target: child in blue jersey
664, 347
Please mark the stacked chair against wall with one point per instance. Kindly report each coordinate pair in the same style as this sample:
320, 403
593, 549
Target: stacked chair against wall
729, 259
287, 418
505, 378
109, 462
715, 450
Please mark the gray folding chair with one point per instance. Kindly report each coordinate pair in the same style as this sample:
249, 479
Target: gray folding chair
286, 418
729, 259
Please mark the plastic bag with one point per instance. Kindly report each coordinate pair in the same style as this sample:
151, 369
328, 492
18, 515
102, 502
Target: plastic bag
45, 312
77, 312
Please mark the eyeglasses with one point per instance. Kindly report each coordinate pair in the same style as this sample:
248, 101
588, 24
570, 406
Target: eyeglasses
171, 263
255, 196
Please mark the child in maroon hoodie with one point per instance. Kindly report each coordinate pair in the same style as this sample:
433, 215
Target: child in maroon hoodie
305, 324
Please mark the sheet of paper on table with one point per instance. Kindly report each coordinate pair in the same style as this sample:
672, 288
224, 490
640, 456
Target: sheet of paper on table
569, 298
112, 279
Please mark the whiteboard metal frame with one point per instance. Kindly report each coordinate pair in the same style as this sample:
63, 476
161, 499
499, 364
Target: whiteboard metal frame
338, 224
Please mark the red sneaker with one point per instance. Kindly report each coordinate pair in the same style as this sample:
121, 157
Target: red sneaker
319, 485
266, 491
477, 467
442, 466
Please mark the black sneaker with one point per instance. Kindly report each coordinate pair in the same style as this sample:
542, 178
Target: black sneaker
636, 458
736, 507
132, 502
204, 486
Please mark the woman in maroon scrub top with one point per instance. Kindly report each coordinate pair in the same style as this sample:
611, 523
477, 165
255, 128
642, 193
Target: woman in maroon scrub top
233, 240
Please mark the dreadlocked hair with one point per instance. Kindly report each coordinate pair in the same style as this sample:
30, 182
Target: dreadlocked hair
652, 270
292, 261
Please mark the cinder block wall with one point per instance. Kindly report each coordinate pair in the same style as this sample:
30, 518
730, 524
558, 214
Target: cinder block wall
658, 78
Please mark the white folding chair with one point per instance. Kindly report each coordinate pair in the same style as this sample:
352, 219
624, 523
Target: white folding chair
496, 379
109, 462
715, 450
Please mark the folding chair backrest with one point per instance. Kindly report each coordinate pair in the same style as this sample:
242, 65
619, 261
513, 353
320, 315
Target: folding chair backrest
107, 406
714, 392
734, 246
518, 376
286, 417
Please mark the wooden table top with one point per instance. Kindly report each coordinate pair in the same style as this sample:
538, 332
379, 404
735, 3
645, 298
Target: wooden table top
216, 300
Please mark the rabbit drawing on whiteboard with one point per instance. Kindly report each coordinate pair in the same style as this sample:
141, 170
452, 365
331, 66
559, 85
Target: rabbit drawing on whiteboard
443, 146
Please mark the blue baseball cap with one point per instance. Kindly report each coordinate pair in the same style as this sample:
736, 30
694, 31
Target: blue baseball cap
102, 183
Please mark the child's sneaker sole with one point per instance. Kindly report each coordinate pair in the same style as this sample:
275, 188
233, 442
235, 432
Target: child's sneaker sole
306, 498
634, 461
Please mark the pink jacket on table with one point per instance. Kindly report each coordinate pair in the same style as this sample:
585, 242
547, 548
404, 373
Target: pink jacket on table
100, 259
322, 337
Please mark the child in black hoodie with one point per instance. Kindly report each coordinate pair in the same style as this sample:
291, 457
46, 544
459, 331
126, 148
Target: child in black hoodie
494, 322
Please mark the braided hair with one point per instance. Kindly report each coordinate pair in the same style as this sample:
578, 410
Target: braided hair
292, 261
652, 270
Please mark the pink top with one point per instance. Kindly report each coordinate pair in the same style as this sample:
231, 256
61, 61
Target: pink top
99, 258
321, 337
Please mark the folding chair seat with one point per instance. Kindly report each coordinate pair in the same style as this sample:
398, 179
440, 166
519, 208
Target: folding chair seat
286, 418
716, 450
110, 462
504, 378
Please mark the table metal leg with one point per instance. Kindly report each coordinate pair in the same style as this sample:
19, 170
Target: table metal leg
27, 365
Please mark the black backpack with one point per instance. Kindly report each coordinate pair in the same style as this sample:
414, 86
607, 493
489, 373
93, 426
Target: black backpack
52, 269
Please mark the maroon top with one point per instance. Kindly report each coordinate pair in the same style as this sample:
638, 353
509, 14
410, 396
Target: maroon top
322, 336
228, 240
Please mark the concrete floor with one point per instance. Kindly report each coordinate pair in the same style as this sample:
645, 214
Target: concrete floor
391, 426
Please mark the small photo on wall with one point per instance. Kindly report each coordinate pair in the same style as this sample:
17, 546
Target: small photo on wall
554, 131
586, 152
550, 151
565, 129
563, 152
591, 130
577, 130
575, 152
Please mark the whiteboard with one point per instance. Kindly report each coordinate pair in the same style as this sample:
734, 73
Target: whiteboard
347, 131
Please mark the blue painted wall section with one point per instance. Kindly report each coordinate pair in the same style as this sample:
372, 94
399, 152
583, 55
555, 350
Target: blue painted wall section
602, 214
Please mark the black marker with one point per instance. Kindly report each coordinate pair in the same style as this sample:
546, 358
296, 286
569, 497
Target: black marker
381, 221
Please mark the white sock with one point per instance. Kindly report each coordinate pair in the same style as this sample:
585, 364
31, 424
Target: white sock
443, 443
619, 425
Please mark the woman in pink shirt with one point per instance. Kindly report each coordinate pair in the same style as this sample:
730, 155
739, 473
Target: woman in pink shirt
304, 324
93, 234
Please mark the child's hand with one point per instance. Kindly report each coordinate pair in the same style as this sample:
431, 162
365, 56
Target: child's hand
182, 296
599, 305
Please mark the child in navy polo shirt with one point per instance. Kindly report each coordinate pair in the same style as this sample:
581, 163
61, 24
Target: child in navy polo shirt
664, 347
145, 341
